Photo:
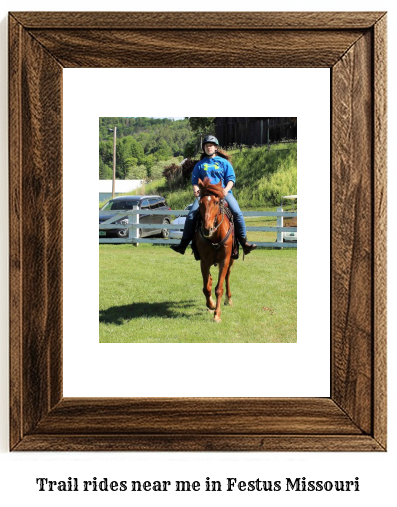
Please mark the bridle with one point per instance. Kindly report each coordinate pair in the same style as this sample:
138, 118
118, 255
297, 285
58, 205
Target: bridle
216, 246
216, 218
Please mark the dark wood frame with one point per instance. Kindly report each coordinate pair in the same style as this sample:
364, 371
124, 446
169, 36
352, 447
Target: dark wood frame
353, 46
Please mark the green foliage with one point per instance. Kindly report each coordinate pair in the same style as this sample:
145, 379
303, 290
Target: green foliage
177, 175
147, 146
106, 152
180, 198
137, 172
135, 148
162, 151
202, 124
157, 170
140, 141
149, 163
105, 172
190, 148
262, 178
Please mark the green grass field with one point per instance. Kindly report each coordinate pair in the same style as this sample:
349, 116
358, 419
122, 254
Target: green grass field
150, 294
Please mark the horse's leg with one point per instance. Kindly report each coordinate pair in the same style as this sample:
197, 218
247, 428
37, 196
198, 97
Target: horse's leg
207, 285
228, 300
223, 267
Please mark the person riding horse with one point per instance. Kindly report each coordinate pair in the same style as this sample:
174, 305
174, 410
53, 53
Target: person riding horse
214, 165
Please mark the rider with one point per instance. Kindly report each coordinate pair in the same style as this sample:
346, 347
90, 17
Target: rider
215, 165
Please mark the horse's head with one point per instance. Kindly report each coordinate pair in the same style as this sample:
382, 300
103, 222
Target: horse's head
210, 196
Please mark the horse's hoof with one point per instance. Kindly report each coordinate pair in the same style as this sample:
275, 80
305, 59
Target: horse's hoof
228, 302
217, 319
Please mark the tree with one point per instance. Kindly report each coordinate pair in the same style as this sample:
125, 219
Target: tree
202, 124
149, 163
163, 152
124, 160
136, 150
106, 152
141, 141
105, 172
190, 148
137, 172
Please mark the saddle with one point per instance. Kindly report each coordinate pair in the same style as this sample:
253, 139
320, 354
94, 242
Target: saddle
235, 247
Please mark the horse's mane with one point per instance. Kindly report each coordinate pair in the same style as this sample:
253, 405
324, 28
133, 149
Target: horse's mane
207, 188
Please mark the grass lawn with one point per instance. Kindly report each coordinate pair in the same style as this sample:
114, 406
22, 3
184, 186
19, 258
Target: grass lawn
150, 294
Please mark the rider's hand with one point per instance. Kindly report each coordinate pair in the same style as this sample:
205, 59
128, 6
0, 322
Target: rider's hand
225, 192
197, 192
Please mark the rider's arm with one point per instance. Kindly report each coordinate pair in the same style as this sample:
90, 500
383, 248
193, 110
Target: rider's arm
195, 178
229, 177
228, 187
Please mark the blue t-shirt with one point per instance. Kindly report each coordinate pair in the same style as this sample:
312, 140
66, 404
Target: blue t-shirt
216, 169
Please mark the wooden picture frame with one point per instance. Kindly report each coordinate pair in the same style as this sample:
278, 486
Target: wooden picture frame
353, 46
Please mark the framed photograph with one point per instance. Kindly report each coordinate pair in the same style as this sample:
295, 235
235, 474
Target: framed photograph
353, 46
153, 319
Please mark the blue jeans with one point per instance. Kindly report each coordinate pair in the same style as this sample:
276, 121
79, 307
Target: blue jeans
188, 230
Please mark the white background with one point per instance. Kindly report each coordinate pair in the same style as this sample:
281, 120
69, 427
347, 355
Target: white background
19, 471
250, 369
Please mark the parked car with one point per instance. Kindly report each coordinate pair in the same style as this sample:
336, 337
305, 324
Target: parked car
290, 203
177, 233
126, 203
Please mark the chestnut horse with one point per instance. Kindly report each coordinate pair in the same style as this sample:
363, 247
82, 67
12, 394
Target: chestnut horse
214, 241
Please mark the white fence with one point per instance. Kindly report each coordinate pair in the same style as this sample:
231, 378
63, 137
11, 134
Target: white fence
134, 226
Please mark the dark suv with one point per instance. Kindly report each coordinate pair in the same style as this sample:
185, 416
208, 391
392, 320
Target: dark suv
126, 203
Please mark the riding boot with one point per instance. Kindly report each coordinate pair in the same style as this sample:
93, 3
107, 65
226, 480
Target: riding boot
247, 247
181, 248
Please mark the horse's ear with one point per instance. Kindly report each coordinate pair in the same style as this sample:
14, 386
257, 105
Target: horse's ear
200, 183
219, 184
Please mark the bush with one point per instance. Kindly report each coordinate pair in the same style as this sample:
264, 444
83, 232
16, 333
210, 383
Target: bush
157, 170
262, 178
137, 172
177, 175
180, 198
173, 175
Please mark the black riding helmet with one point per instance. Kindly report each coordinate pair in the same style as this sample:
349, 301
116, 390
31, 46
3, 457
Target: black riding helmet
210, 139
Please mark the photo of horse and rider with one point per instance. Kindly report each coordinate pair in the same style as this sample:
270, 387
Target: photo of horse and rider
225, 176
213, 178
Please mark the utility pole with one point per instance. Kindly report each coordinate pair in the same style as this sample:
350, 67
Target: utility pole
114, 160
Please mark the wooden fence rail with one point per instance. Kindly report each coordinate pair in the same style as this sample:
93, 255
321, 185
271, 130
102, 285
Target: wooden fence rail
134, 226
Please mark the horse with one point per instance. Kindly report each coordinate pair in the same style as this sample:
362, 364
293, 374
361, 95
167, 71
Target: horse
214, 242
